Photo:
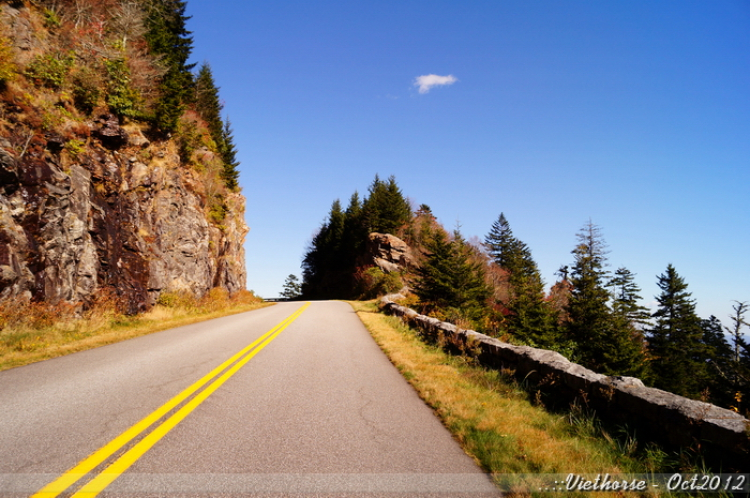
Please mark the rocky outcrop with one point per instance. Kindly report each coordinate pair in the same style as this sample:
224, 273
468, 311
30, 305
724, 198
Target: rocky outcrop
21, 31
387, 252
123, 214
664, 415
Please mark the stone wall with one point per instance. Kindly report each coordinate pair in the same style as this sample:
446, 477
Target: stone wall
678, 420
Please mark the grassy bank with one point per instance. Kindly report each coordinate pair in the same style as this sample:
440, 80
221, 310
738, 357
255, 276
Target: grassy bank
500, 424
32, 332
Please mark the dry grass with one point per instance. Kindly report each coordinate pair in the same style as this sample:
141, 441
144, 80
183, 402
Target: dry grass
35, 331
494, 419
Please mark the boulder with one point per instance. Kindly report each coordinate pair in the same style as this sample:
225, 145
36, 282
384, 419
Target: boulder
110, 133
387, 252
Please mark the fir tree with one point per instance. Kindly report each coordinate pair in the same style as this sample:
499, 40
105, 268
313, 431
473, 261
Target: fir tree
354, 235
625, 298
718, 360
675, 339
739, 367
322, 270
208, 105
603, 343
449, 278
530, 317
168, 37
292, 289
385, 210
230, 172
628, 356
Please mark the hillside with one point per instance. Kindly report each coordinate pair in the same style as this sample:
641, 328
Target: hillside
117, 175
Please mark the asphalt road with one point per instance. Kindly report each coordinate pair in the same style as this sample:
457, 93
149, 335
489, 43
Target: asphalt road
317, 411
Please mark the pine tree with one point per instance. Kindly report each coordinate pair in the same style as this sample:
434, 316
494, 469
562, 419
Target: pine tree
449, 278
354, 235
168, 37
626, 295
292, 289
628, 317
530, 317
739, 371
385, 210
230, 172
603, 343
718, 360
323, 274
208, 104
675, 339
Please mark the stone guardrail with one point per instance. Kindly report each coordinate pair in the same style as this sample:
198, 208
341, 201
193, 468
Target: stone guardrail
666, 416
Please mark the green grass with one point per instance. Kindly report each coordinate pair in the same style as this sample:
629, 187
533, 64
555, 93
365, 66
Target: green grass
504, 427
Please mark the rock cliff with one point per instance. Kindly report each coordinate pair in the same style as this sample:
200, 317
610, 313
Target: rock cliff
125, 214
89, 206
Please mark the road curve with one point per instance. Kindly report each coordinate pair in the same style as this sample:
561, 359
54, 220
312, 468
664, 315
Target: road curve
318, 411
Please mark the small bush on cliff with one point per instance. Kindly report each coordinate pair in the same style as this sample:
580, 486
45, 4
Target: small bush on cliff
122, 98
50, 71
7, 64
373, 282
87, 89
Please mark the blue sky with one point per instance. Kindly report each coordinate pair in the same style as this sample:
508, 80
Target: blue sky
635, 115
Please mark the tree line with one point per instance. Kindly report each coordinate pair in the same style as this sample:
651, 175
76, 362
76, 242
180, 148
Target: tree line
590, 315
330, 265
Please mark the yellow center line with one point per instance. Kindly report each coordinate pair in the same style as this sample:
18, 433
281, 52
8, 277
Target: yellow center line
62, 483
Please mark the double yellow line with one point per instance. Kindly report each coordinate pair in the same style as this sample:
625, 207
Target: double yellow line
121, 464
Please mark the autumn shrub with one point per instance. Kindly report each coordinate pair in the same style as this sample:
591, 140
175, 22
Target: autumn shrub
50, 71
7, 64
51, 19
188, 137
74, 147
34, 315
87, 89
374, 282
180, 299
217, 210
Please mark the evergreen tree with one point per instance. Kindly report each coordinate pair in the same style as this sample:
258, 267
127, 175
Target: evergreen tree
168, 37
739, 365
354, 235
208, 105
449, 278
292, 289
323, 274
625, 298
385, 210
628, 356
530, 317
603, 343
330, 262
230, 172
675, 339
718, 360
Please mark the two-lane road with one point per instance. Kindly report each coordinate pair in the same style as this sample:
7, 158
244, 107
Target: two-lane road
308, 405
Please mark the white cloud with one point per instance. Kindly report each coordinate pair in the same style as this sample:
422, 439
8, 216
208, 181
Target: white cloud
426, 82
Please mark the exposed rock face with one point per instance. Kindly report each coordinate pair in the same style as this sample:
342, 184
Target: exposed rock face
21, 31
124, 215
388, 252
